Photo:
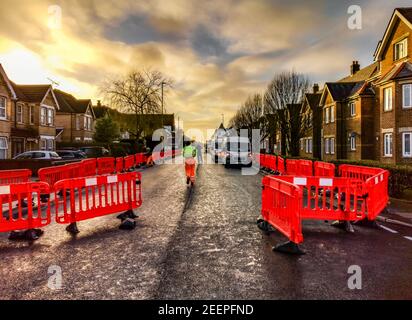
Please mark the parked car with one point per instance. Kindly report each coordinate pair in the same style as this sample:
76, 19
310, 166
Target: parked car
95, 152
71, 154
39, 154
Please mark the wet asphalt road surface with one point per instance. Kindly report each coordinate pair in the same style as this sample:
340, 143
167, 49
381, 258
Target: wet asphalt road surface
204, 244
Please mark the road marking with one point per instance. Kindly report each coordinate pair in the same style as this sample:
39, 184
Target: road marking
388, 229
409, 238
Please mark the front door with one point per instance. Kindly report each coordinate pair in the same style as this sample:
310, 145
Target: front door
17, 146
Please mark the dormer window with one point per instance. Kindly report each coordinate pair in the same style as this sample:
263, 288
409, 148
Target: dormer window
401, 49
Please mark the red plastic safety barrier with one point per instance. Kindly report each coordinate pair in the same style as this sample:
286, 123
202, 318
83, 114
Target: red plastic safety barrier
141, 159
87, 198
105, 165
15, 176
281, 165
330, 198
271, 162
378, 197
281, 207
324, 169
129, 162
75, 170
358, 172
119, 165
33, 214
299, 167
51, 175
89, 167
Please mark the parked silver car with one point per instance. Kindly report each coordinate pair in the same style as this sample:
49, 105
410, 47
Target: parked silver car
38, 154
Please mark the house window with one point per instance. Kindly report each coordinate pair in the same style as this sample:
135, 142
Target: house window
332, 114
310, 145
77, 139
19, 113
353, 143
407, 144
302, 141
43, 144
401, 49
387, 144
3, 147
43, 112
50, 119
31, 114
327, 146
50, 144
352, 108
332, 145
326, 115
387, 99
3, 108
407, 96
77, 122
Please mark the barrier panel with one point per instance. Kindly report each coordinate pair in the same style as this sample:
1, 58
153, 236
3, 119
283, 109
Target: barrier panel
75, 170
358, 172
141, 159
324, 169
292, 167
15, 176
129, 162
89, 167
281, 165
105, 165
30, 212
330, 198
51, 175
305, 168
119, 167
377, 191
271, 162
86, 198
281, 207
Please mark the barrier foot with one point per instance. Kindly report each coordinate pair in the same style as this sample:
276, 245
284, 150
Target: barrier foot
263, 225
288, 247
72, 228
346, 225
30, 235
128, 214
128, 224
367, 223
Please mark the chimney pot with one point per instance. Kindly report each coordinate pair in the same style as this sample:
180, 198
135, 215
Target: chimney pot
355, 67
315, 88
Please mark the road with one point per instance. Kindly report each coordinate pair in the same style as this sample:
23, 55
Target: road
204, 244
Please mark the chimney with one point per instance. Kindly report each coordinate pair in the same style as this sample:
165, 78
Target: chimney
99, 104
315, 88
355, 67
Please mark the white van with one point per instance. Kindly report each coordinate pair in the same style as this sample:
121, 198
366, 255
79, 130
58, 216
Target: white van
215, 148
236, 151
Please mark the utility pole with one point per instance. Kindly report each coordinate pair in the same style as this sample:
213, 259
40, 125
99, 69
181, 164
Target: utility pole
162, 102
223, 119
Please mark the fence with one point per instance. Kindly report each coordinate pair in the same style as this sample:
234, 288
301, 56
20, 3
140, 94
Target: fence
129, 162
105, 165
119, 165
324, 169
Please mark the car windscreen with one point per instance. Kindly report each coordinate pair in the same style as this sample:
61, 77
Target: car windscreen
54, 155
238, 146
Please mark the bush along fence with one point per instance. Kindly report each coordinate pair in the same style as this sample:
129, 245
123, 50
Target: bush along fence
302, 189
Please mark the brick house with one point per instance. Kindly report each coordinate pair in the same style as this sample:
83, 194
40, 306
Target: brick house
394, 90
7, 99
310, 144
27, 114
75, 118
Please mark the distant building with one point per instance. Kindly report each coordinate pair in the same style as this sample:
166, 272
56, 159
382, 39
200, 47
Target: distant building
75, 119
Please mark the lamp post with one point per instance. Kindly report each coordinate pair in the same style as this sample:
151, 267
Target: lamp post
163, 83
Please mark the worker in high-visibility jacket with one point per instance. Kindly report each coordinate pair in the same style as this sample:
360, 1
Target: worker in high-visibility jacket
189, 154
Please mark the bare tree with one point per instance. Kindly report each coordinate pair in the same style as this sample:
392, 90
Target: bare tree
249, 115
283, 99
139, 92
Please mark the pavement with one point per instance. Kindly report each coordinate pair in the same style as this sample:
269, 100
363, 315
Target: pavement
203, 243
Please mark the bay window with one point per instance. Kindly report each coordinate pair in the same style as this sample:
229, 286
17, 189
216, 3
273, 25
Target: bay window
3, 148
387, 145
407, 144
3, 108
407, 96
387, 99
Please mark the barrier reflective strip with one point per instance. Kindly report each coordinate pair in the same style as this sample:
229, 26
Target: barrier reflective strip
325, 182
4, 190
300, 181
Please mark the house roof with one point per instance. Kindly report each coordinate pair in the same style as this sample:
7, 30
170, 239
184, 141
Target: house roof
31, 93
363, 74
313, 99
8, 82
403, 14
344, 90
69, 104
400, 70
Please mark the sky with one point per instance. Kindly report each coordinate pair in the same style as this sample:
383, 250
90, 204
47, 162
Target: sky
218, 52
